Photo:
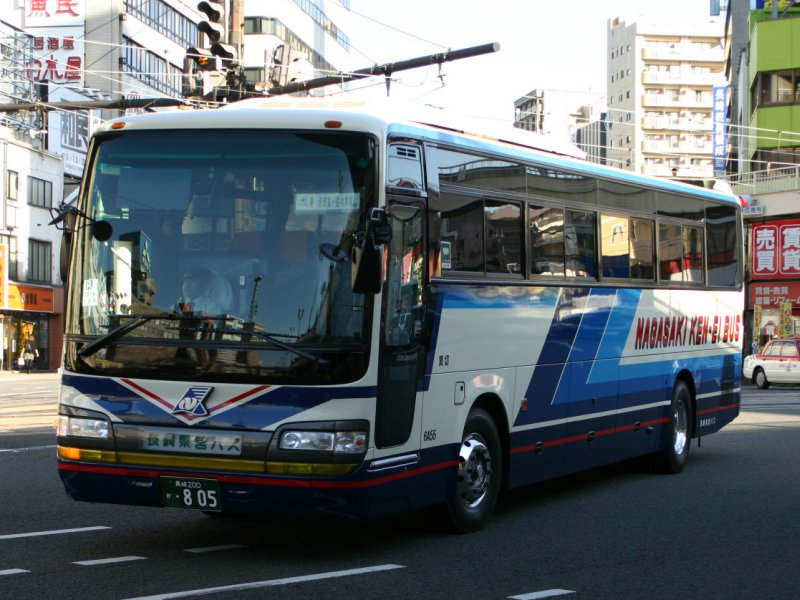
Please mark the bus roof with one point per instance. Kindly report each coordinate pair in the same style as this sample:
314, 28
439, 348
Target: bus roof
386, 117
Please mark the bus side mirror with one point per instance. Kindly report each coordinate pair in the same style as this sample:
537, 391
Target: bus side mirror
367, 254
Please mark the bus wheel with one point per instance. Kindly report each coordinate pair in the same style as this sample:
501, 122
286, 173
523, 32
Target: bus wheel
672, 459
480, 466
760, 379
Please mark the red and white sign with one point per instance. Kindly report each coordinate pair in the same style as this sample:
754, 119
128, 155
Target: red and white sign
54, 13
57, 56
776, 250
772, 295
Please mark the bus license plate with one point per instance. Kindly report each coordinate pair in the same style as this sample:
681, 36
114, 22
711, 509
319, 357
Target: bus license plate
200, 494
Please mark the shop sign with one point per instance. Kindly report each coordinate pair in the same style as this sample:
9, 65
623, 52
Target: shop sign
58, 56
70, 130
26, 297
776, 250
54, 13
772, 295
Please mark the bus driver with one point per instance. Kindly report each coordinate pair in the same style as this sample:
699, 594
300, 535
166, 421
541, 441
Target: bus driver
205, 291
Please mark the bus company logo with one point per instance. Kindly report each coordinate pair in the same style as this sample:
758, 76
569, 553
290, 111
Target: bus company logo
697, 330
192, 402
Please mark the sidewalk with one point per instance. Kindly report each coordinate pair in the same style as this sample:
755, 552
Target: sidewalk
12, 376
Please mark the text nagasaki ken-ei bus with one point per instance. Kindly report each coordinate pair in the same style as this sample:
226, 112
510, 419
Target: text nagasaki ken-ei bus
326, 310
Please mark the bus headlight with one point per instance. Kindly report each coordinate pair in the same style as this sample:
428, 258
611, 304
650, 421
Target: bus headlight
83, 427
319, 443
346, 442
307, 440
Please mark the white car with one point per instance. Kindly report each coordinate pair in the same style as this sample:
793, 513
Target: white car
777, 362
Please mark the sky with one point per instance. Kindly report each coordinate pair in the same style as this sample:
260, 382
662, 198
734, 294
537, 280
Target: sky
556, 45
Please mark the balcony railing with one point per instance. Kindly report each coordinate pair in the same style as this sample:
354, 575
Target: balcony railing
663, 100
665, 123
684, 53
783, 179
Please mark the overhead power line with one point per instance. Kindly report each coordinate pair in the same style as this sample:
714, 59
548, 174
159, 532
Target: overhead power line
386, 69
121, 104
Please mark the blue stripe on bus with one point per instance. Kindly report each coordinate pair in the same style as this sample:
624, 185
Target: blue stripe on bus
462, 297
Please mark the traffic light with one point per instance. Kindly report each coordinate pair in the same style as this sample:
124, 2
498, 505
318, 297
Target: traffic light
204, 60
216, 54
216, 30
214, 27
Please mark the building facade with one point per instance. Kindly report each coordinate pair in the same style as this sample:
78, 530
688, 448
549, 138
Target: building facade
31, 292
764, 163
57, 51
660, 96
294, 41
773, 79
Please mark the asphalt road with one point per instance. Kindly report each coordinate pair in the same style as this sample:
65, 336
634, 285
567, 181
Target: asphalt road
725, 528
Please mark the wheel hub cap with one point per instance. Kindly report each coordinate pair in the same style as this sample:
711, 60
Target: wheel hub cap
474, 471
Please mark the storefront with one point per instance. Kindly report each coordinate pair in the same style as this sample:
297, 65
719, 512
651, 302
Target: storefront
773, 296
26, 316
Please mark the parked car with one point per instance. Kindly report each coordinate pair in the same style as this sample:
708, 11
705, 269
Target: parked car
777, 362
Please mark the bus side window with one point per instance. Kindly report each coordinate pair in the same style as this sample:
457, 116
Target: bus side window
580, 244
642, 244
546, 240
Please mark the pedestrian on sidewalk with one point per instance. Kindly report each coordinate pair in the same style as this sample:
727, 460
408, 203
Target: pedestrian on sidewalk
30, 354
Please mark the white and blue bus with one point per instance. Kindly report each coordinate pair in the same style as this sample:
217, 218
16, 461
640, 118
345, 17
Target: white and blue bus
317, 309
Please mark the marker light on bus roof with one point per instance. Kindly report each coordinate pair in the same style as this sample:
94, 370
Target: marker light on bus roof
118, 124
333, 124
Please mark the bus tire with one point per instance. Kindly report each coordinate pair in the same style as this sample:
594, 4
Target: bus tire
760, 379
673, 458
480, 473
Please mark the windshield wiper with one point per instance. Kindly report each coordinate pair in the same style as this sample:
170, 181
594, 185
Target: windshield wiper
268, 338
138, 321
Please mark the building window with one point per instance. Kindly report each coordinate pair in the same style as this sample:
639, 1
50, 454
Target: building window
166, 20
255, 75
11, 242
12, 185
150, 68
782, 87
39, 261
40, 192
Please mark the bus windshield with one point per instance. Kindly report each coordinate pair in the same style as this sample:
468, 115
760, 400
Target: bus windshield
228, 258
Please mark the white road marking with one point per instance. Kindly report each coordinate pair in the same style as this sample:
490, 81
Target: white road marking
270, 583
214, 548
12, 536
107, 561
13, 572
542, 594
28, 449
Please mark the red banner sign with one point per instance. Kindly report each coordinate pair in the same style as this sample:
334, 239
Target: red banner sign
772, 295
776, 250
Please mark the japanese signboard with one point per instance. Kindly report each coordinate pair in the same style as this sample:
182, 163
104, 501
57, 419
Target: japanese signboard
54, 13
772, 295
25, 297
57, 28
787, 325
57, 55
70, 130
719, 129
776, 250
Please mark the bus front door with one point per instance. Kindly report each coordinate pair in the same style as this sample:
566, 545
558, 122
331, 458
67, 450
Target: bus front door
401, 348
